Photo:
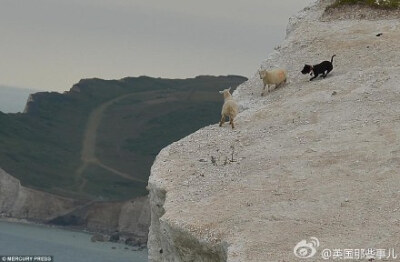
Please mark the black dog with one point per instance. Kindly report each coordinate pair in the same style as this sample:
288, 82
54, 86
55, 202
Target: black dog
323, 68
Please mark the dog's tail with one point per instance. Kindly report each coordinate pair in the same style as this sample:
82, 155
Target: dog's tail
332, 58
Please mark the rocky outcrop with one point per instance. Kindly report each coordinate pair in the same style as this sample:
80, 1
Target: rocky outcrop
311, 159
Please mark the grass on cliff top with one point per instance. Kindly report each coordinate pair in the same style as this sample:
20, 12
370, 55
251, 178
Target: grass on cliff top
382, 4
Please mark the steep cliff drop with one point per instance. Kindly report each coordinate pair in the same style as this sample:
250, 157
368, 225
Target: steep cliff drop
17, 201
314, 159
129, 218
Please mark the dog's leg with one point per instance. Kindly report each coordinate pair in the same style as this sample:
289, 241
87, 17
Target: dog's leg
312, 78
327, 72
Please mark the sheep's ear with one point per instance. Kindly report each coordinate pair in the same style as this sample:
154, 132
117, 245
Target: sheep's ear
229, 89
221, 92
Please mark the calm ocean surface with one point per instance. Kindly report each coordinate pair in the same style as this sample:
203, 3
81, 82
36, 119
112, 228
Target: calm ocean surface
63, 245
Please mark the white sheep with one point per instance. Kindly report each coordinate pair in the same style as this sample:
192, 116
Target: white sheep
272, 77
229, 109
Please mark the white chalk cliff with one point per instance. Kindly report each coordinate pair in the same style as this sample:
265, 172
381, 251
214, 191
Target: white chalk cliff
311, 159
17, 201
130, 218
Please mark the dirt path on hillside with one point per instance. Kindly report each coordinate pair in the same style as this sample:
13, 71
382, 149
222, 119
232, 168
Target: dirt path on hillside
88, 153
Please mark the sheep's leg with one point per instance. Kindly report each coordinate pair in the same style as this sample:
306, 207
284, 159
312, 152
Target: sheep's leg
222, 120
263, 91
231, 122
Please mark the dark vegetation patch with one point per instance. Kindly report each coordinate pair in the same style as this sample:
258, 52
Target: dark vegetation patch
380, 4
362, 10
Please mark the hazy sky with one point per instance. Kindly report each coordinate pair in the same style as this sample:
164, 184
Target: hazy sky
52, 44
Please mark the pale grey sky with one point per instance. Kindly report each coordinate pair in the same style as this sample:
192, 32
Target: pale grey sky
52, 44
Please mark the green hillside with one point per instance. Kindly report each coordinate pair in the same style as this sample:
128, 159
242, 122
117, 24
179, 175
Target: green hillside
98, 140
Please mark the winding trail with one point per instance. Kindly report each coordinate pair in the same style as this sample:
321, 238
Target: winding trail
88, 153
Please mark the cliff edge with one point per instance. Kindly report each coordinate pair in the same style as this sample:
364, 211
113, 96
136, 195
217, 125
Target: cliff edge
311, 159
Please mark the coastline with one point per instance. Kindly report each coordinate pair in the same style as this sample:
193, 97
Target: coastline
93, 234
64, 245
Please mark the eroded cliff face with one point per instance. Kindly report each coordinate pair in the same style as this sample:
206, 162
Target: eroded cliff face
311, 159
20, 202
130, 218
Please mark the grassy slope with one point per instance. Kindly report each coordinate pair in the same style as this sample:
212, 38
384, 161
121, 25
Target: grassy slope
42, 148
386, 4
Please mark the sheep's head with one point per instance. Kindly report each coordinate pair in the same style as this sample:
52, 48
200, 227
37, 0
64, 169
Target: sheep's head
262, 73
226, 92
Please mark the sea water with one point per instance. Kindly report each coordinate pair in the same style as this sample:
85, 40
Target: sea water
63, 245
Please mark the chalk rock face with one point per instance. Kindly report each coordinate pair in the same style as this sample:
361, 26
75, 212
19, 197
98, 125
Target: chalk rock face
135, 217
20, 202
9, 188
310, 159
130, 218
